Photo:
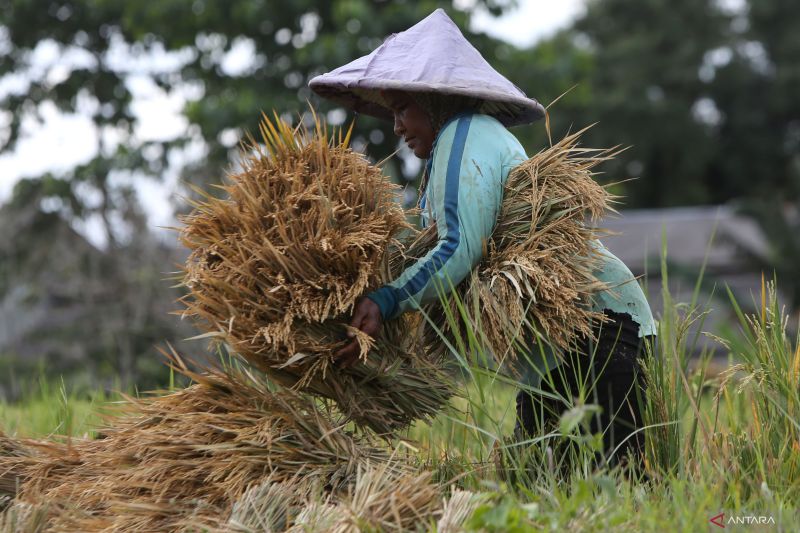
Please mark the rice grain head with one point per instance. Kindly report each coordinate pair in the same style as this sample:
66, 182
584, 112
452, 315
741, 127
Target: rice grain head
279, 259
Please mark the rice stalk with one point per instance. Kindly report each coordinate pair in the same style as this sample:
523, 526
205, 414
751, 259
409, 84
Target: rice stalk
767, 450
382, 498
277, 263
456, 510
539, 269
180, 461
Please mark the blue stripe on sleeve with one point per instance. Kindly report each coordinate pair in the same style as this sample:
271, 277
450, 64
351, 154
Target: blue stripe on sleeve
448, 248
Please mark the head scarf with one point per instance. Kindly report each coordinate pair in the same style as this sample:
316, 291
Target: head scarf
440, 108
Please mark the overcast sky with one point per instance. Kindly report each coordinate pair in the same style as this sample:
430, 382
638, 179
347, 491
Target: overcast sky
530, 21
63, 141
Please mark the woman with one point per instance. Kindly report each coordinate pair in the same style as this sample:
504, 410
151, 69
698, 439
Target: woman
452, 109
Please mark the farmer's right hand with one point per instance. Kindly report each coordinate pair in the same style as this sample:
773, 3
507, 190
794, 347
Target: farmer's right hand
366, 317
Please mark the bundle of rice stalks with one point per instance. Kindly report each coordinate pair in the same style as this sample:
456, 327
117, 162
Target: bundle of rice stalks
277, 264
269, 507
383, 497
181, 460
383, 501
457, 509
538, 274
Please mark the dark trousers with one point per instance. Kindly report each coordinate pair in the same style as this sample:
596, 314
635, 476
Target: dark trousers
612, 366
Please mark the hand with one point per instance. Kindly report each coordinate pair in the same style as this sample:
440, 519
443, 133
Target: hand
366, 317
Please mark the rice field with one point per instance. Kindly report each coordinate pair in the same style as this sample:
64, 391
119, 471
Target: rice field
725, 443
280, 439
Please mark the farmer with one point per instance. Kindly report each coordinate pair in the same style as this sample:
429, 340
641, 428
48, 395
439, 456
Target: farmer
452, 109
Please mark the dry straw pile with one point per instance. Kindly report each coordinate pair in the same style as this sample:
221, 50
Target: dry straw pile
181, 460
381, 498
278, 262
538, 274
226, 454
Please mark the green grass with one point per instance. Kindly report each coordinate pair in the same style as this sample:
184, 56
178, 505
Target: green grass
52, 409
724, 443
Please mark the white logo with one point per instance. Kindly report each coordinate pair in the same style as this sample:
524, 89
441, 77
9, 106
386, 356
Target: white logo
719, 520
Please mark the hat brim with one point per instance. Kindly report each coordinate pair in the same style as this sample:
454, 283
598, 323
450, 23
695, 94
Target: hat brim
365, 97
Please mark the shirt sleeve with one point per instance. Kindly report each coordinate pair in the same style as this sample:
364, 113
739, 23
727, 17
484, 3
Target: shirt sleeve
465, 192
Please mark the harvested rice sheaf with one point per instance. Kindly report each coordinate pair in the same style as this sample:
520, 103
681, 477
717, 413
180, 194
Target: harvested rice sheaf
381, 500
539, 271
303, 230
382, 497
181, 461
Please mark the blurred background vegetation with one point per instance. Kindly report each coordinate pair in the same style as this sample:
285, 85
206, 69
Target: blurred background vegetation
703, 91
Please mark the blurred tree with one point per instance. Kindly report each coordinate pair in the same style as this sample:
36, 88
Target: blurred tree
555, 73
68, 308
703, 92
756, 91
756, 88
228, 60
646, 92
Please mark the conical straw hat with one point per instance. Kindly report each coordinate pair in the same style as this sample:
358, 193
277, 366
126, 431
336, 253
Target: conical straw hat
431, 56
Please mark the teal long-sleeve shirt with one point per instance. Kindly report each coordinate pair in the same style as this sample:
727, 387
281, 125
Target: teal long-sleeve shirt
472, 157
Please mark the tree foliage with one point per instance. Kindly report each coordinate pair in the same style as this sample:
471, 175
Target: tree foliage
703, 92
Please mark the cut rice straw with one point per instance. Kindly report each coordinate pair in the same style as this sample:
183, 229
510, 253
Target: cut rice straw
181, 460
301, 232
